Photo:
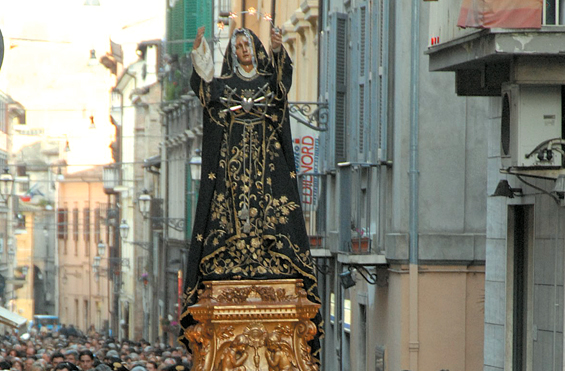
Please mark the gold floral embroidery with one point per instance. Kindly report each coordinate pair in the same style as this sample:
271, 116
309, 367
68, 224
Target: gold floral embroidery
211, 176
261, 55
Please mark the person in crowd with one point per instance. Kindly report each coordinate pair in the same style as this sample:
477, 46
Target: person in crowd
102, 367
72, 356
37, 366
63, 330
66, 366
5, 365
30, 349
57, 358
86, 359
17, 364
29, 361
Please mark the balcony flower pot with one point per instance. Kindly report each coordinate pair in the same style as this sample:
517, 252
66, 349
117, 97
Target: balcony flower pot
316, 242
360, 245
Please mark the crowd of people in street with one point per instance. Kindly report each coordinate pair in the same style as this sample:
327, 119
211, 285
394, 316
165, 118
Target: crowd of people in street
68, 349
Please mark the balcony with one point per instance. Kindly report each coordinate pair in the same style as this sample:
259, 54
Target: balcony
483, 57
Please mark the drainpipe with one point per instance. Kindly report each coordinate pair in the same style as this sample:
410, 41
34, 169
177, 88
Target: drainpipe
414, 343
243, 8
274, 12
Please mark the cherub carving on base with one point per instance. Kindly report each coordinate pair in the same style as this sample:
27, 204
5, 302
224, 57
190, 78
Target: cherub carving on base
234, 355
279, 354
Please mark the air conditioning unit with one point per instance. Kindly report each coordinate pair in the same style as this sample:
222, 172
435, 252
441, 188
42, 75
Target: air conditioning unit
531, 114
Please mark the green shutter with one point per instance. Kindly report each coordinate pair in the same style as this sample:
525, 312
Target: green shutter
176, 27
191, 16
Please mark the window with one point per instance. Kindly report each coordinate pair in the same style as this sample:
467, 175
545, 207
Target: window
521, 288
75, 224
86, 315
97, 236
3, 116
62, 223
553, 12
332, 308
224, 8
362, 354
86, 227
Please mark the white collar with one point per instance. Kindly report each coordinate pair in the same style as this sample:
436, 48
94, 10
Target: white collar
246, 74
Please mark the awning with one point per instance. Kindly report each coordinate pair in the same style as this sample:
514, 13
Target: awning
11, 319
500, 14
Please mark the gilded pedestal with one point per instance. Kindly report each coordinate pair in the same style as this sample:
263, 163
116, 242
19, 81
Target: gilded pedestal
253, 326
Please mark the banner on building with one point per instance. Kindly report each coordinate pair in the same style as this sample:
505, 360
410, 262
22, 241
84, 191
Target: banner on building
306, 145
500, 14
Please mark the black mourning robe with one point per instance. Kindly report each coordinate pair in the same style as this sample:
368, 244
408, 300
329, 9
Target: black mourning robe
249, 222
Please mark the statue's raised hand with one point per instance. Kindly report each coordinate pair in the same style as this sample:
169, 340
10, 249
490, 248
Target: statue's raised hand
198, 38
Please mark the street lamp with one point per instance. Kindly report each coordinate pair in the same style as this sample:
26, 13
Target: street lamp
6, 184
60, 176
101, 248
124, 229
145, 203
195, 165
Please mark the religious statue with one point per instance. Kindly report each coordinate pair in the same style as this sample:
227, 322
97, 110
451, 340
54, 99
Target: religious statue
249, 222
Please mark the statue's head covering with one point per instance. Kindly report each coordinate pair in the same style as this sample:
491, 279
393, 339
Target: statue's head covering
259, 55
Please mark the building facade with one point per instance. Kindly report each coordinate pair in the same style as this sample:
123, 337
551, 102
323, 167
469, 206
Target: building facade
392, 177
513, 63
85, 293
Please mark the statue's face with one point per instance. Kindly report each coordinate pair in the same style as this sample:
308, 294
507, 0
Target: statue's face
243, 50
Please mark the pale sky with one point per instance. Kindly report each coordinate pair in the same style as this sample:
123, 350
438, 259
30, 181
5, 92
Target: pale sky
45, 68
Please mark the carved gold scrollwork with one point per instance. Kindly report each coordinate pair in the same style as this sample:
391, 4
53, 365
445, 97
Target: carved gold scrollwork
304, 332
253, 326
242, 294
200, 340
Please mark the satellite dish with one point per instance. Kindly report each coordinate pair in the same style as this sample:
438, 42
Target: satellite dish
1, 48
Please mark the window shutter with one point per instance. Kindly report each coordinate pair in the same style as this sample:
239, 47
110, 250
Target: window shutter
382, 89
204, 18
362, 78
177, 26
337, 84
86, 228
191, 21
75, 224
97, 223
62, 220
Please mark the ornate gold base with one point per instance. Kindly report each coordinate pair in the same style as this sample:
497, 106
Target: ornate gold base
253, 326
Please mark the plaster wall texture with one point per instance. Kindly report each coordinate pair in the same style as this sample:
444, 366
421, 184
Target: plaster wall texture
545, 266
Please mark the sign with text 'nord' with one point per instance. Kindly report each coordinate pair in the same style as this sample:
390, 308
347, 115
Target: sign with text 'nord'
306, 146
